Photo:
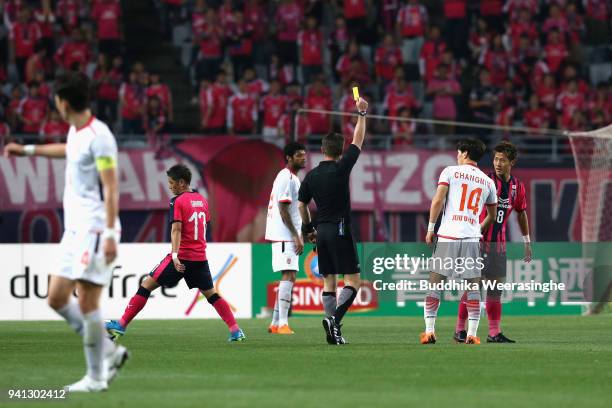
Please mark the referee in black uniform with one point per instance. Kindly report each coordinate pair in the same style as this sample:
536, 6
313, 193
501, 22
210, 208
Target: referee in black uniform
328, 184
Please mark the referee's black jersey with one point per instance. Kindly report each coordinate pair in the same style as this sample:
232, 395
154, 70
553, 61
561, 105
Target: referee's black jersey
328, 184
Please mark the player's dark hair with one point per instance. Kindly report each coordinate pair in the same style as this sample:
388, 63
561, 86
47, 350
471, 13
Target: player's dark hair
74, 87
475, 148
508, 149
292, 148
179, 172
332, 144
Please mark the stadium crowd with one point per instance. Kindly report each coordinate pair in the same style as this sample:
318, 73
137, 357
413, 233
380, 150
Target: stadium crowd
534, 63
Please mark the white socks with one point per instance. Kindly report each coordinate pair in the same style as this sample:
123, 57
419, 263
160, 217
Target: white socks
275, 312
93, 342
284, 301
71, 312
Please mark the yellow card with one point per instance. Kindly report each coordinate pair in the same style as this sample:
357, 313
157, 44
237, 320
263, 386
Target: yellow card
355, 93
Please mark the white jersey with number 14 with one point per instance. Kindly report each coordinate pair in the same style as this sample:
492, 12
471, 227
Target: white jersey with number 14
469, 190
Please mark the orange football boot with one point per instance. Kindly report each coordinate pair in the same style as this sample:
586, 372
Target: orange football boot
472, 340
428, 338
284, 329
273, 329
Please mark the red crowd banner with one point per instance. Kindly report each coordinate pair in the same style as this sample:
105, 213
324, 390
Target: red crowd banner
236, 175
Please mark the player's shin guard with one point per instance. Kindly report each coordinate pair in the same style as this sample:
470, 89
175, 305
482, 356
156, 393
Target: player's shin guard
347, 296
284, 301
473, 308
462, 313
432, 303
71, 312
93, 342
494, 310
137, 303
329, 303
224, 311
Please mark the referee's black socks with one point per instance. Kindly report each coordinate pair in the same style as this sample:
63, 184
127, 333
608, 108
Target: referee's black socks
345, 300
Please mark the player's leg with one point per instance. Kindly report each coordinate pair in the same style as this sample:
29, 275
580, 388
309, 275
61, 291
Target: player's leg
462, 315
352, 283
328, 296
495, 270
61, 300
164, 274
473, 308
284, 297
430, 310
197, 275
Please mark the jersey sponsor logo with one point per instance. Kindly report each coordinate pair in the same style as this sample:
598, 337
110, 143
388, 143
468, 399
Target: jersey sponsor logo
504, 203
199, 203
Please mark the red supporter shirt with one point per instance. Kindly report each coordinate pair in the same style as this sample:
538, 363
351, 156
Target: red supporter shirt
568, 103
311, 43
33, 110
45, 23
537, 118
162, 92
72, 52
191, 210
303, 127
513, 7
455, 8
386, 60
430, 58
497, 62
256, 16
210, 43
24, 38
354, 9
288, 20
273, 106
257, 87
511, 195
198, 21
396, 100
38, 66
54, 131
347, 104
241, 113
412, 20
68, 11
491, 7
132, 101
217, 97
107, 16
555, 54
109, 89
546, 95
597, 9
319, 122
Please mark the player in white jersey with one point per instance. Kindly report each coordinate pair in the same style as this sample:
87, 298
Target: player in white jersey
463, 191
91, 227
283, 230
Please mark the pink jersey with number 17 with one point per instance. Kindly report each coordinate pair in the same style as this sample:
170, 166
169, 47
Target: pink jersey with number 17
469, 190
191, 210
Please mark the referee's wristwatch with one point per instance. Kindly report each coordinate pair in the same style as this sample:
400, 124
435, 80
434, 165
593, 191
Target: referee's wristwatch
362, 113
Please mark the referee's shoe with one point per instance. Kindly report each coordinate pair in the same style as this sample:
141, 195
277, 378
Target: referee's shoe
332, 331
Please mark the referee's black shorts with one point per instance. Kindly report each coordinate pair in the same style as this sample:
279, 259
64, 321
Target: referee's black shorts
337, 254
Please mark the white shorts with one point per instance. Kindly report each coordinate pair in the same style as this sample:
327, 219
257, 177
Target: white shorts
284, 257
82, 258
458, 258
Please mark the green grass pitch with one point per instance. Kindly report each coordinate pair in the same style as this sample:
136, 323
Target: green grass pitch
562, 361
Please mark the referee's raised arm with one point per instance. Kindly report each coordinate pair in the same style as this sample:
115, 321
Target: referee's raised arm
359, 134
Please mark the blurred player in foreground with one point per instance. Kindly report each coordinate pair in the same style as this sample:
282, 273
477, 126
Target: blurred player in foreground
91, 228
466, 190
510, 195
188, 214
328, 184
282, 229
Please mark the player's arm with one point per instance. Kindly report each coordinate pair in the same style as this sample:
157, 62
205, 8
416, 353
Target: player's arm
524, 226
286, 217
175, 238
360, 127
110, 187
435, 209
486, 223
51, 150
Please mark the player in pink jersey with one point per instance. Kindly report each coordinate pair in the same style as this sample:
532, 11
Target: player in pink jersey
462, 194
188, 214
510, 196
